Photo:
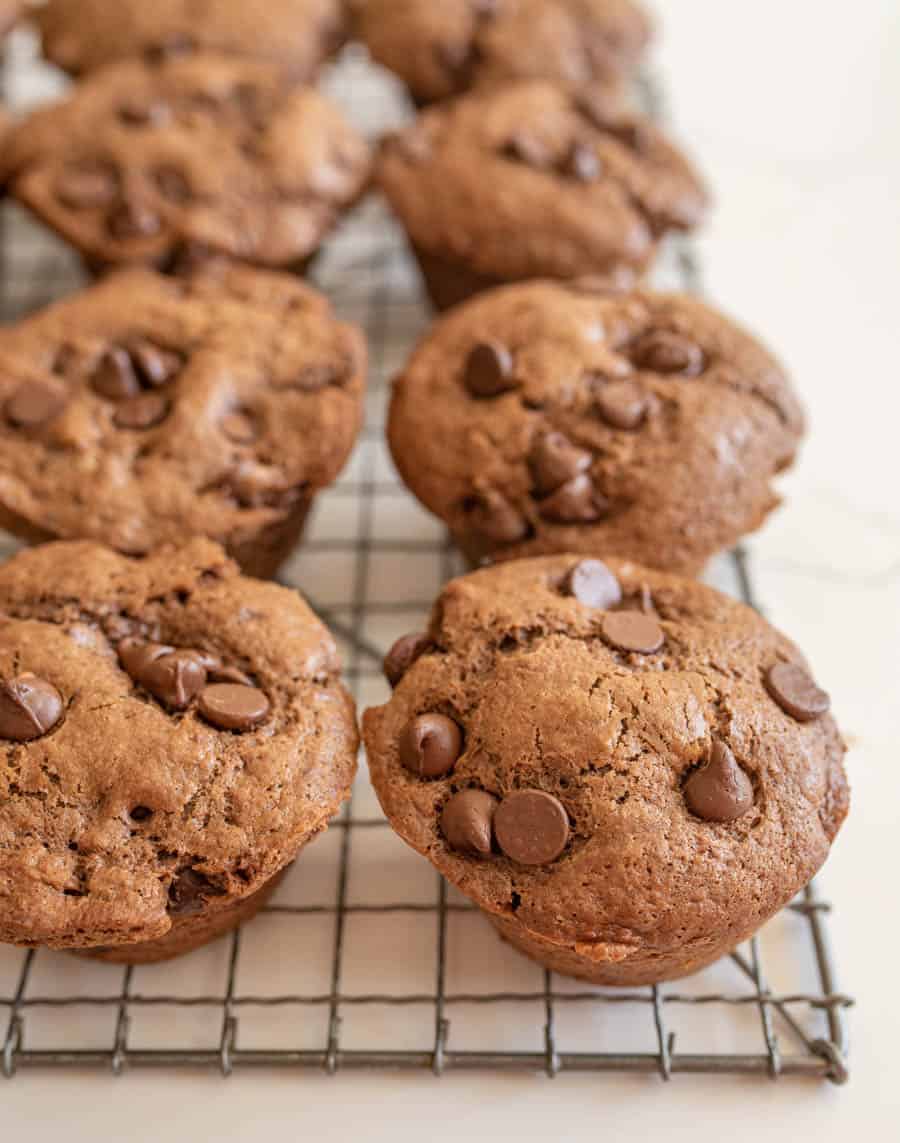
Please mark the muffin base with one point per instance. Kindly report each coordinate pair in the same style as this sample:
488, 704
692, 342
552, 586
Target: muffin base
260, 556
612, 965
187, 933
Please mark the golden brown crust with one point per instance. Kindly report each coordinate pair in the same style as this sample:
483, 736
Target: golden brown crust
297, 35
205, 151
645, 889
692, 477
128, 813
260, 347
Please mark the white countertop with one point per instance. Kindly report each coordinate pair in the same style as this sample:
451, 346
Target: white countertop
792, 109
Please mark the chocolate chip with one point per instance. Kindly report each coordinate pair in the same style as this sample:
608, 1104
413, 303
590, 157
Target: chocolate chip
720, 791
35, 403
114, 377
633, 631
582, 163
553, 460
88, 187
231, 706
527, 148
430, 745
593, 584
143, 412
575, 502
531, 826
188, 893
140, 813
239, 426
29, 707
172, 184
664, 351
796, 692
174, 678
403, 654
155, 365
492, 516
226, 674
622, 404
466, 821
136, 655
152, 114
489, 370
132, 220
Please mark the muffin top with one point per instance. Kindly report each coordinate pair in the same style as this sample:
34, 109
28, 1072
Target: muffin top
536, 181
442, 49
140, 161
620, 759
297, 35
147, 408
173, 733
546, 417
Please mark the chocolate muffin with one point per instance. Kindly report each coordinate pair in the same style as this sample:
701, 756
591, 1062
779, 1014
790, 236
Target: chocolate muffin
140, 163
146, 409
175, 734
443, 49
296, 35
549, 418
535, 181
627, 771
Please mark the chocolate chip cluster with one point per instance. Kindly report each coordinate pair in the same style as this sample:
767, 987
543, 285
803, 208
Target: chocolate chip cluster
226, 697
563, 488
531, 826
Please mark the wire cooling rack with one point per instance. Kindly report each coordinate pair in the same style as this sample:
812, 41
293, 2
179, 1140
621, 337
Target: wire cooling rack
366, 958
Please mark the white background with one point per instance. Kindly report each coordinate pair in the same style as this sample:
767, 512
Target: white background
793, 108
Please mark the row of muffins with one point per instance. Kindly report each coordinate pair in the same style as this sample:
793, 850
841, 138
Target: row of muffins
626, 770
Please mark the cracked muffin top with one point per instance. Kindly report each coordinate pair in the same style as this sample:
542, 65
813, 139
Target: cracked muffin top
297, 35
147, 408
546, 417
625, 762
170, 730
142, 163
535, 181
443, 49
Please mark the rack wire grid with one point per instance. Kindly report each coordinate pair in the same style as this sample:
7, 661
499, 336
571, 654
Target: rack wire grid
366, 958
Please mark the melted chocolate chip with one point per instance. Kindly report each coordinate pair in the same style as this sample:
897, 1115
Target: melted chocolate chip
622, 404
575, 502
582, 163
466, 821
403, 654
142, 412
720, 791
188, 893
668, 352
230, 706
489, 370
35, 403
174, 678
114, 377
526, 148
554, 460
633, 631
155, 365
29, 707
132, 220
239, 426
172, 184
593, 584
430, 745
89, 186
492, 516
796, 692
531, 826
